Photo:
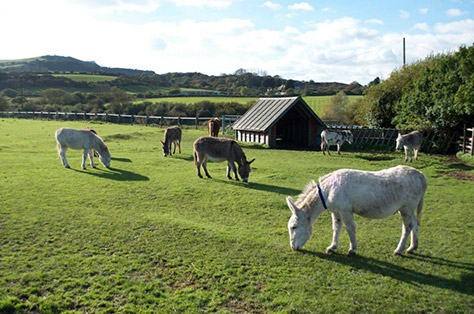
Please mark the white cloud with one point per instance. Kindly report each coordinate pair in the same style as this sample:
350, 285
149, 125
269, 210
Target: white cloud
424, 11
271, 5
454, 12
374, 21
302, 6
404, 14
422, 27
118, 6
325, 9
215, 4
464, 26
344, 49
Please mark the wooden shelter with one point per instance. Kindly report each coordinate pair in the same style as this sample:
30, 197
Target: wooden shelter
283, 122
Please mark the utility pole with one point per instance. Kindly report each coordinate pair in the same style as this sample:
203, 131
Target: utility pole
404, 57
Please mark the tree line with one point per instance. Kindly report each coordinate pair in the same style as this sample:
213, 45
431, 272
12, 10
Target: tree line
433, 95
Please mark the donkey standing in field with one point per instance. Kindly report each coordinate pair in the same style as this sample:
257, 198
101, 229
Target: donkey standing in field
213, 126
220, 149
85, 140
338, 138
346, 192
410, 141
172, 136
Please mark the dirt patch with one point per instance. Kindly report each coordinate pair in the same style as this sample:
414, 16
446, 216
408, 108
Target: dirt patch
460, 175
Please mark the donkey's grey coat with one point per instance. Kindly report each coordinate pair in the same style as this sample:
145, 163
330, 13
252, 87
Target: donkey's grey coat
410, 141
172, 136
220, 149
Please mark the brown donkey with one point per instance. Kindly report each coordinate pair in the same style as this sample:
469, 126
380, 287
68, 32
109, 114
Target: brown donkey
208, 148
213, 126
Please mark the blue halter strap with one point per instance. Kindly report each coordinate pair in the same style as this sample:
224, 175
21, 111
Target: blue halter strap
321, 197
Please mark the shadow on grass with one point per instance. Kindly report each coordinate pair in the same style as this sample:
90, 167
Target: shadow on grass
375, 158
261, 187
417, 278
182, 157
114, 174
121, 159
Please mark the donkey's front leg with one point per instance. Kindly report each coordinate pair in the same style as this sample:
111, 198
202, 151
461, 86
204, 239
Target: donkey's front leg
406, 153
409, 223
231, 165
348, 219
336, 228
416, 153
91, 158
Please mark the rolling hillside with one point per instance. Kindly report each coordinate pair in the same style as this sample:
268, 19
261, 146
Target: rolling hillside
62, 64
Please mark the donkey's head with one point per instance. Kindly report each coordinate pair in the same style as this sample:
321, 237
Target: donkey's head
399, 142
299, 225
104, 155
244, 169
166, 148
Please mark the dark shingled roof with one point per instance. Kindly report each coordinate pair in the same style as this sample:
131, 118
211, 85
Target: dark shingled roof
267, 111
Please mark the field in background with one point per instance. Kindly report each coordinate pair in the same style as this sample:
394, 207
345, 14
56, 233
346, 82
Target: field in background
148, 235
88, 77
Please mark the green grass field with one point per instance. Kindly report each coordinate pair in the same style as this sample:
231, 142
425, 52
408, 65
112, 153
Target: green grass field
314, 102
149, 236
88, 77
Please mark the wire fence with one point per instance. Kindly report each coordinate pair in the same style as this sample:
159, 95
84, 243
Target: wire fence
161, 121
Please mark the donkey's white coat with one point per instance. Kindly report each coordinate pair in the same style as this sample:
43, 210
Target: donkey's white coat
410, 141
338, 138
377, 194
85, 140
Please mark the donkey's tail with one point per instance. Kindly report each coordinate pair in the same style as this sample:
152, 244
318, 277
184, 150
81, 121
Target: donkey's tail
195, 157
418, 211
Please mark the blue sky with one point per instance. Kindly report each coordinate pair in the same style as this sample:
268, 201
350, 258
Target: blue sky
324, 41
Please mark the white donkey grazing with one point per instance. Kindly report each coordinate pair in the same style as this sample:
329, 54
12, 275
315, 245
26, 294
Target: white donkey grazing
409, 141
338, 138
82, 139
346, 192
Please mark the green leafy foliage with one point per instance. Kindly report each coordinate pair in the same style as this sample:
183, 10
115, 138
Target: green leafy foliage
433, 94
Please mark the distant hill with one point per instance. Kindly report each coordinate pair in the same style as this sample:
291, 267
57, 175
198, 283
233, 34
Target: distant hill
60, 64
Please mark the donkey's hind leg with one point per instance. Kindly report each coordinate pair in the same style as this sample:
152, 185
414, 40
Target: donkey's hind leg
204, 166
416, 153
336, 228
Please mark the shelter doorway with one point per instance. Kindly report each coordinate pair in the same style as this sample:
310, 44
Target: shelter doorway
292, 130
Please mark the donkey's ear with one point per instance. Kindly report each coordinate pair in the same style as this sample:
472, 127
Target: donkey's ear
291, 205
249, 162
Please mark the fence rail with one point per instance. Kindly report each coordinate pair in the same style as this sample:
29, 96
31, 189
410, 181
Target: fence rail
467, 142
364, 137
227, 120
385, 138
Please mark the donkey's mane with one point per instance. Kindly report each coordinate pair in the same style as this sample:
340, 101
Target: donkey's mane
309, 195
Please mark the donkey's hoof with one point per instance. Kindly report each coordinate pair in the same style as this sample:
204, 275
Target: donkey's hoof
411, 250
330, 250
351, 253
397, 253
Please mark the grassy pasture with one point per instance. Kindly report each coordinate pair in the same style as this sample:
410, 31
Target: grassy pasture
91, 78
148, 235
